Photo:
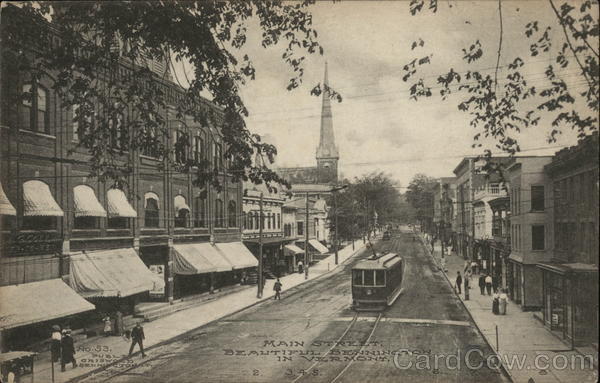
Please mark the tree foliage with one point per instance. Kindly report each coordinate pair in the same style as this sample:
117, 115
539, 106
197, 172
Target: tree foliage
419, 195
99, 39
502, 107
358, 203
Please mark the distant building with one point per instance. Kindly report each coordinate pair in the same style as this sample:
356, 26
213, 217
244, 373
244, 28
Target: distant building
529, 206
327, 154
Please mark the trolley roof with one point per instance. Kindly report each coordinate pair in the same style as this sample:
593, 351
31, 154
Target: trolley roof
382, 262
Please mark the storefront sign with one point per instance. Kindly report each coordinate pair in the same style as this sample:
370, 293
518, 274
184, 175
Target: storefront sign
159, 270
32, 244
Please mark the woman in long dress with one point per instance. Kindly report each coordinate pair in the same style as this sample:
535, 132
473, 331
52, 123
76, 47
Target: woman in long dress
495, 304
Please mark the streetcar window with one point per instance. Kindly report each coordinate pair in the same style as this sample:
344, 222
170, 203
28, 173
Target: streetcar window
357, 277
379, 277
368, 278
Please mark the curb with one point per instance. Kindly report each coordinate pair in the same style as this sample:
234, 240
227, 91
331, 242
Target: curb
505, 372
186, 333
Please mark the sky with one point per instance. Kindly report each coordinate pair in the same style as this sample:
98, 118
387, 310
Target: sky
377, 126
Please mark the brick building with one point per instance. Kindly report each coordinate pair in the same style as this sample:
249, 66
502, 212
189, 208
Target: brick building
570, 279
154, 236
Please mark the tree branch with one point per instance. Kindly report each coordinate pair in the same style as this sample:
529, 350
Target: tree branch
499, 46
562, 24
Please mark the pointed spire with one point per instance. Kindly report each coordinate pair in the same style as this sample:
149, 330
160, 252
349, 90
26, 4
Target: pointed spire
327, 148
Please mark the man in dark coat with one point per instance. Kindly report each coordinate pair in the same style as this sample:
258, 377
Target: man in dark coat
482, 284
68, 350
458, 281
137, 337
277, 288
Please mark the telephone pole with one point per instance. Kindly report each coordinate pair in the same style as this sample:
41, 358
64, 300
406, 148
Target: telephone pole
306, 241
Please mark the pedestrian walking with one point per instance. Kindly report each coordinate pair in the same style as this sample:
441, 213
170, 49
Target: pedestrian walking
55, 339
468, 278
300, 267
107, 325
67, 350
495, 304
137, 337
488, 284
458, 281
482, 284
503, 302
277, 288
495, 284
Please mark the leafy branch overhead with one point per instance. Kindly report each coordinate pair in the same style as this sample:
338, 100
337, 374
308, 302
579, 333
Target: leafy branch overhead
96, 55
501, 106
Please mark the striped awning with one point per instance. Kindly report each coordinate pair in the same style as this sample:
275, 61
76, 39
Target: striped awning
199, 258
38, 200
86, 203
110, 273
118, 206
180, 203
6, 208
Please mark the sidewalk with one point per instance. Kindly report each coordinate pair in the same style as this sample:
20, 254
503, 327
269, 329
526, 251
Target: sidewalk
521, 338
99, 351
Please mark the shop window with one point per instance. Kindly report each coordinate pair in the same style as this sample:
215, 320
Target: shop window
85, 223
151, 211
232, 214
219, 213
537, 237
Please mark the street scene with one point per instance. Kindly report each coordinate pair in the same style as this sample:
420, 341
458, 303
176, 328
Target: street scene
299, 191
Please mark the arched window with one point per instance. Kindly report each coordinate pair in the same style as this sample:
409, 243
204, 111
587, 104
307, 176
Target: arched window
34, 109
182, 211
219, 214
151, 210
232, 214
244, 220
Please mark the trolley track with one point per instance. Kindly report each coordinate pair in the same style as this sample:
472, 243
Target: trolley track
347, 336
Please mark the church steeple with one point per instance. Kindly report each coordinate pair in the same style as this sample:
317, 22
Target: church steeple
327, 151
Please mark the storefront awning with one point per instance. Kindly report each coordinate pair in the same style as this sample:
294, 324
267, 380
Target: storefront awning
565, 268
292, 250
238, 255
38, 302
198, 258
110, 273
318, 246
86, 203
181, 204
118, 206
6, 208
38, 200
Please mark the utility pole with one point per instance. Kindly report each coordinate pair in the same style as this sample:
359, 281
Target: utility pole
306, 242
259, 293
336, 227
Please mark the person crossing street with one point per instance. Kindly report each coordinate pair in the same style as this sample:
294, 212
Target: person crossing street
277, 288
137, 337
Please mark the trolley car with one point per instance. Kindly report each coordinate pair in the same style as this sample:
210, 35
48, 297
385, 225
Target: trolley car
377, 282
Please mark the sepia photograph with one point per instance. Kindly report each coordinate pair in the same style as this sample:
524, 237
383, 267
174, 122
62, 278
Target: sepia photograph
299, 191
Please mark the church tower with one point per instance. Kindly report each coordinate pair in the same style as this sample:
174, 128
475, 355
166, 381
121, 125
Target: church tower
327, 151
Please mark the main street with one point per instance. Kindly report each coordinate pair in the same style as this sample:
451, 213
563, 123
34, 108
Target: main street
312, 335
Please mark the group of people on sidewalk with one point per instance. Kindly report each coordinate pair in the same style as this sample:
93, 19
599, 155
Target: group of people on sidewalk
62, 347
486, 285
